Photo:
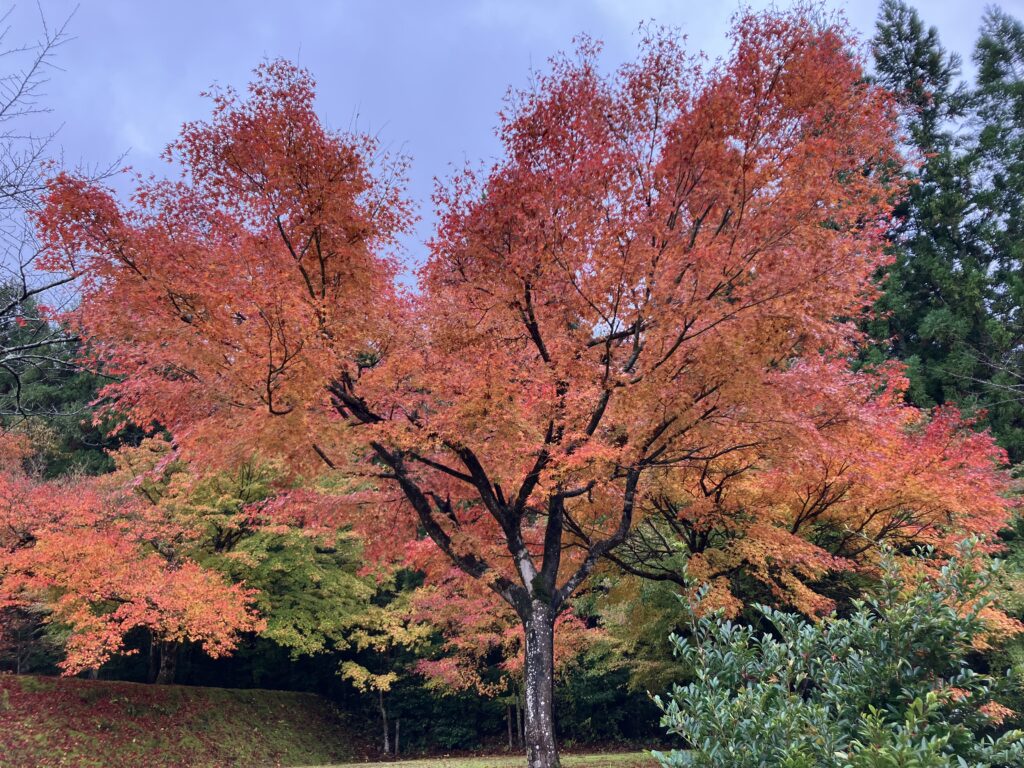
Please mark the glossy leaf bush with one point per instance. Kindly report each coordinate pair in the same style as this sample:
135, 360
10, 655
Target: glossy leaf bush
886, 686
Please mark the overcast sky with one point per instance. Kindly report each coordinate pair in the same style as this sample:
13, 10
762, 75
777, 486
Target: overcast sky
427, 76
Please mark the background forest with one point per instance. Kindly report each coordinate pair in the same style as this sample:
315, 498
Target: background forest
124, 558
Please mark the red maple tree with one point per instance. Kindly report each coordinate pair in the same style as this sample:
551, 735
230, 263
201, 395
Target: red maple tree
650, 293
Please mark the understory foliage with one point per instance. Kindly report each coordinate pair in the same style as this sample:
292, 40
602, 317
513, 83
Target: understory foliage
888, 686
98, 560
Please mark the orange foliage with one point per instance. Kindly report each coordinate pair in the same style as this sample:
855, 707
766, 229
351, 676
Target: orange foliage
483, 638
643, 306
83, 550
842, 464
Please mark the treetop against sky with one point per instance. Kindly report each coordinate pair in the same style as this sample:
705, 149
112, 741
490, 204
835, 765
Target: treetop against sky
425, 78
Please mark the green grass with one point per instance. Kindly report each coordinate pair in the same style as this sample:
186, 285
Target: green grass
53, 722
50, 722
630, 760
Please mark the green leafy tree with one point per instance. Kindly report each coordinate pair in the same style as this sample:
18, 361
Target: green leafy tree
309, 588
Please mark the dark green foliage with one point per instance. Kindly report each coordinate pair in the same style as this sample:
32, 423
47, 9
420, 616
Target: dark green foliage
933, 315
886, 686
911, 62
952, 303
45, 393
595, 704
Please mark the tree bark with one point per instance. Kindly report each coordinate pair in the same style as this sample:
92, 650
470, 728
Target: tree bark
541, 751
168, 663
384, 722
508, 719
520, 733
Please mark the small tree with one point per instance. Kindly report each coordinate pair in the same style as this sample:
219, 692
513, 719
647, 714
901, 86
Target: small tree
393, 636
80, 551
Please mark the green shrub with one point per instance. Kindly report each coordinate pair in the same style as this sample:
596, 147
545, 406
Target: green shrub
886, 687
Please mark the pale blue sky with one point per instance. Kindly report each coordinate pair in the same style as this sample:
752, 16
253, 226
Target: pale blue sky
427, 76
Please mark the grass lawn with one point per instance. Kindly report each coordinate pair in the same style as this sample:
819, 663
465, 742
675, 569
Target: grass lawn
630, 760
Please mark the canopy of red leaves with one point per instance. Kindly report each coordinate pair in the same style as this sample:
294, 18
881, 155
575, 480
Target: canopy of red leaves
644, 305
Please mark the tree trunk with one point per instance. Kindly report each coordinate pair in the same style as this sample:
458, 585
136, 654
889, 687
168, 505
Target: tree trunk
398, 725
508, 719
168, 663
520, 733
541, 751
153, 667
384, 722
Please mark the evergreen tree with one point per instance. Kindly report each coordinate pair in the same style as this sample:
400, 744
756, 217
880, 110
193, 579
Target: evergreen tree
936, 313
999, 55
44, 393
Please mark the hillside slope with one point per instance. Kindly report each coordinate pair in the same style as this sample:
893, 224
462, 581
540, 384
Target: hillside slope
51, 722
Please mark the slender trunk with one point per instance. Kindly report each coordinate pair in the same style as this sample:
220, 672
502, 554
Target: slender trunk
520, 733
168, 663
398, 725
154, 661
541, 751
384, 722
508, 719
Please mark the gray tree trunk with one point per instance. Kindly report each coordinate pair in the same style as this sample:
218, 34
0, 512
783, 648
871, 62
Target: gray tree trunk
541, 751
168, 663
384, 722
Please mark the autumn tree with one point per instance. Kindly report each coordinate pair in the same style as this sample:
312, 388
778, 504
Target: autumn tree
305, 584
661, 260
16, 624
856, 466
85, 555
